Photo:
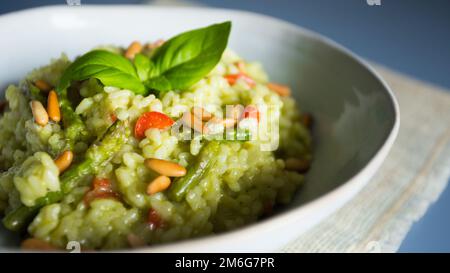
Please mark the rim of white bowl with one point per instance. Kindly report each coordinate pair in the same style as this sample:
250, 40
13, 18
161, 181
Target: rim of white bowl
351, 185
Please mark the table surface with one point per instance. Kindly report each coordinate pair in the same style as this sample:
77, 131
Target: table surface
410, 36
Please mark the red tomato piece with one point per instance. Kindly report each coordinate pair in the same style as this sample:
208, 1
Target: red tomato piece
154, 220
251, 111
232, 78
151, 120
101, 184
101, 189
113, 117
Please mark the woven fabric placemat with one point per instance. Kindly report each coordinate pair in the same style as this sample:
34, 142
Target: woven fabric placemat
412, 177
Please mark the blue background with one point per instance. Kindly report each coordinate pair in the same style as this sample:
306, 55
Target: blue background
411, 36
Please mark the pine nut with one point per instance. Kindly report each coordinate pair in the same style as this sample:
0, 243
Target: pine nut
228, 122
235, 112
159, 184
133, 49
36, 244
166, 168
39, 113
155, 44
241, 66
296, 164
193, 122
134, 241
280, 89
43, 85
201, 113
64, 160
225, 122
53, 106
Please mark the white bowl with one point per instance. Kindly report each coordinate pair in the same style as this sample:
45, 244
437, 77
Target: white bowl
356, 115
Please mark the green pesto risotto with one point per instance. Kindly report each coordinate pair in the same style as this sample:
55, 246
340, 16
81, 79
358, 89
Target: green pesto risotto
152, 143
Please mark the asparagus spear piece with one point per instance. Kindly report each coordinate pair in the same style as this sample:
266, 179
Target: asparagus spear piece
205, 161
96, 156
74, 127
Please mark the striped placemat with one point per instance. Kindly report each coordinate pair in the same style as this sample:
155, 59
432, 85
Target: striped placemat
413, 176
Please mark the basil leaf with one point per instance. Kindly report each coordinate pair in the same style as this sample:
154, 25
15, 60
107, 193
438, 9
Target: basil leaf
186, 58
109, 68
159, 84
143, 66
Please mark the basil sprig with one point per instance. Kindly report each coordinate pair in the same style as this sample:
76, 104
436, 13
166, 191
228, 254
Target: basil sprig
178, 64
